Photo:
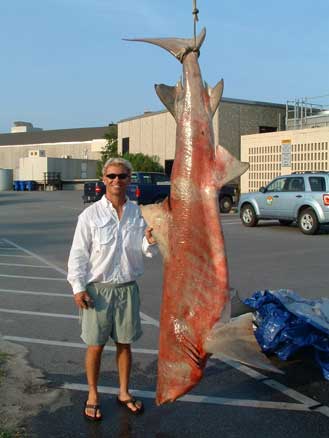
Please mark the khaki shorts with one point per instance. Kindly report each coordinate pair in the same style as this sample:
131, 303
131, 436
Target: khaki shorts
115, 314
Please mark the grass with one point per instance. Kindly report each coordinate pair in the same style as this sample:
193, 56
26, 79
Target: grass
11, 434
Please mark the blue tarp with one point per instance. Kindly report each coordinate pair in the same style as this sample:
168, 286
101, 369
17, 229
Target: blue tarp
287, 322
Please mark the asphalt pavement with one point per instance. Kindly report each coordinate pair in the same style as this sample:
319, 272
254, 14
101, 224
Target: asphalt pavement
37, 311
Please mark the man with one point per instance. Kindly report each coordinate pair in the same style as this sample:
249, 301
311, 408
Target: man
105, 259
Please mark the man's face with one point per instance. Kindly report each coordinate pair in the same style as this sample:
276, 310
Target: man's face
114, 180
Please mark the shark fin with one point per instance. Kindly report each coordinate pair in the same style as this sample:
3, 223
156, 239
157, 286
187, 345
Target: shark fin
236, 340
157, 216
215, 95
167, 95
227, 166
176, 46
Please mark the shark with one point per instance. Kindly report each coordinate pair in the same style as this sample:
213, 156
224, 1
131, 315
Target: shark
195, 310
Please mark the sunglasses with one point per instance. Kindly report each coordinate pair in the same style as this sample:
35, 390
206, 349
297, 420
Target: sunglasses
119, 175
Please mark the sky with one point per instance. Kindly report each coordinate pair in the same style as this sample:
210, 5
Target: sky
64, 63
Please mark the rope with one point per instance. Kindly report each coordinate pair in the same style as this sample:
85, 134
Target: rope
195, 14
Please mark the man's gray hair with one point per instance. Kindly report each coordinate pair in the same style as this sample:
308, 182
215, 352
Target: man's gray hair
116, 161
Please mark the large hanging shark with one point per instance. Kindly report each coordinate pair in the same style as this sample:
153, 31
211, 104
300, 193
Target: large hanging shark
196, 303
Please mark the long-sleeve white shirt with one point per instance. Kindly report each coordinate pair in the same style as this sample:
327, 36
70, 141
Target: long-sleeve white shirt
106, 249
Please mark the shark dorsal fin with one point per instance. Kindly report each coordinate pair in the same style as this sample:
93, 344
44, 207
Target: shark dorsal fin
215, 95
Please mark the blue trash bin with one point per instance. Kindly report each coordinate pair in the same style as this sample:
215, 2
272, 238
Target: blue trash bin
22, 186
16, 186
30, 185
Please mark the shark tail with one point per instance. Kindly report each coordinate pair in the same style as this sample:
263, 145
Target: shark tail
178, 47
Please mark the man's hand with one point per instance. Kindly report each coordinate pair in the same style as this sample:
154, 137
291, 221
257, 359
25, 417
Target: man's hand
149, 237
83, 300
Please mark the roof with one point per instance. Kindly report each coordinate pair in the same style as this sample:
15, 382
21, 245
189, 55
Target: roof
53, 136
224, 99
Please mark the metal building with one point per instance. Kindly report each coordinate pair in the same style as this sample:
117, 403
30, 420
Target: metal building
154, 133
82, 143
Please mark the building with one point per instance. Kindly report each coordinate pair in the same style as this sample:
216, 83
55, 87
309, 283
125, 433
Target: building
302, 147
82, 143
154, 133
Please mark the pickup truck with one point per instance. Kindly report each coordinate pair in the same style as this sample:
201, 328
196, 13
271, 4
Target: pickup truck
154, 187
145, 188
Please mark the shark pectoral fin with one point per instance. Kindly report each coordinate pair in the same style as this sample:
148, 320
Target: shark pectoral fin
227, 166
157, 216
167, 95
236, 340
215, 95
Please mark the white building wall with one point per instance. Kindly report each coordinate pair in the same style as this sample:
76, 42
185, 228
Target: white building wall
309, 152
10, 155
34, 168
155, 133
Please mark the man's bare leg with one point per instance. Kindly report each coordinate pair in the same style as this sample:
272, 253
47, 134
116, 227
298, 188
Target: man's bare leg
93, 362
124, 367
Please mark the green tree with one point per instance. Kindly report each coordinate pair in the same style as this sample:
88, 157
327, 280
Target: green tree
110, 149
145, 163
139, 161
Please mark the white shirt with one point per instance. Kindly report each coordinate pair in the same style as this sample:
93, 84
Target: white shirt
106, 249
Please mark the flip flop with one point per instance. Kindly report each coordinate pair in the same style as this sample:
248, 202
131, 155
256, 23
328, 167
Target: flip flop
94, 408
137, 403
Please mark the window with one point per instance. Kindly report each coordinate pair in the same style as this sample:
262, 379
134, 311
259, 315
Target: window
125, 145
317, 183
158, 178
277, 185
134, 178
263, 129
146, 179
294, 185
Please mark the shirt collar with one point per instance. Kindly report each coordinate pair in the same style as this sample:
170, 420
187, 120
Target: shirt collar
108, 204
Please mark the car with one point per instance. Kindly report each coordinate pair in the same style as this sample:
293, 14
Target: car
298, 197
154, 187
145, 188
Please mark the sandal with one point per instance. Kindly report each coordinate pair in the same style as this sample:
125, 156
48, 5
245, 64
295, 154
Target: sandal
95, 408
137, 403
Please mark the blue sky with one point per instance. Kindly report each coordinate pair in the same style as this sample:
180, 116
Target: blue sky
64, 63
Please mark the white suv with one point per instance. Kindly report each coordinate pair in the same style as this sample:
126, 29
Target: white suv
300, 197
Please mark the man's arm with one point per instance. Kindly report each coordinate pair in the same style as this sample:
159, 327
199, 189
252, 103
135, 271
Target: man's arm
149, 246
78, 263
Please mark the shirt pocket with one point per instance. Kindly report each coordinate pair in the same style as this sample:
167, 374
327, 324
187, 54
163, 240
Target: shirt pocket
134, 230
105, 231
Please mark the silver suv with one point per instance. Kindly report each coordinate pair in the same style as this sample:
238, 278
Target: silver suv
301, 197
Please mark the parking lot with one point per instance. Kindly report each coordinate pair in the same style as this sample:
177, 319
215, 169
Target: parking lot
232, 400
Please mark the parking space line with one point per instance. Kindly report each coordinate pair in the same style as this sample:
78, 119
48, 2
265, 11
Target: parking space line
15, 255
8, 248
41, 259
21, 265
291, 393
295, 395
190, 398
149, 320
33, 278
55, 315
72, 344
29, 292
27, 312
306, 403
